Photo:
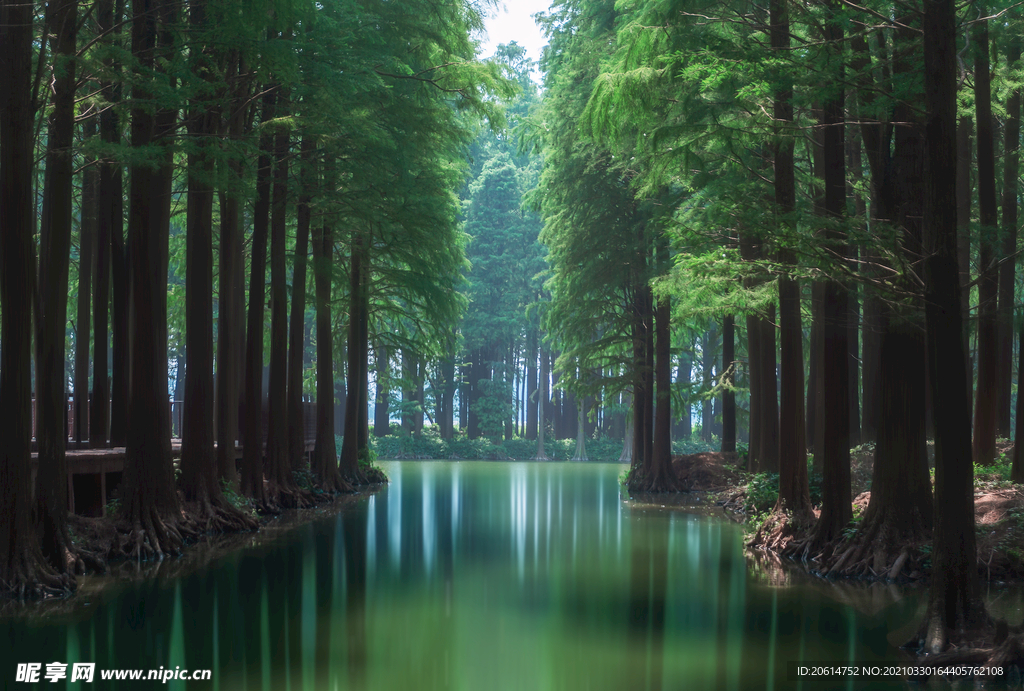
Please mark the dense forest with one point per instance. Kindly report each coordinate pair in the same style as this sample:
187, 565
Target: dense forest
793, 224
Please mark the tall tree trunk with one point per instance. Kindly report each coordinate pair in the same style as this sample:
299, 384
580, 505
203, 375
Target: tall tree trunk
836, 510
853, 326
984, 447
531, 384
381, 412
794, 493
22, 567
198, 462
964, 167
708, 347
542, 397
355, 450
200, 482
230, 320
277, 464
728, 382
754, 381
409, 401
660, 476
1017, 469
683, 378
108, 226
464, 398
151, 503
52, 292
447, 394
639, 384
252, 424
296, 328
953, 596
769, 454
324, 463
1011, 168
86, 264
900, 509
648, 399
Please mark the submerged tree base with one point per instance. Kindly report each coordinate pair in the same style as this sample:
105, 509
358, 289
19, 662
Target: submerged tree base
641, 479
31, 578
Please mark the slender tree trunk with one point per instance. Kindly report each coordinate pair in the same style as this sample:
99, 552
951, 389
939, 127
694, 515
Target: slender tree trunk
86, 264
708, 362
381, 412
637, 456
985, 402
354, 448
464, 399
728, 381
853, 325
198, 461
769, 453
836, 510
22, 567
324, 463
964, 167
447, 394
1017, 469
794, 494
151, 503
813, 375
953, 595
108, 226
648, 399
252, 426
52, 292
296, 329
542, 397
683, 378
409, 401
1011, 169
230, 321
660, 476
531, 385
277, 464
754, 380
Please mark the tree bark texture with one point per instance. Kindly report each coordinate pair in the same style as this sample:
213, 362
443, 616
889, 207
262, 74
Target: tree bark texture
1011, 169
252, 426
953, 596
987, 396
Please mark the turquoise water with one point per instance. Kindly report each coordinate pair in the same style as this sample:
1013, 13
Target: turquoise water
473, 575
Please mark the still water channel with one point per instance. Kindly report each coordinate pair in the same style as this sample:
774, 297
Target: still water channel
474, 575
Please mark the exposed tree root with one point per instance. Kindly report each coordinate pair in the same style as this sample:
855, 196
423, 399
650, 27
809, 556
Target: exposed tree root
334, 483
990, 644
153, 534
220, 516
780, 529
879, 550
365, 475
28, 577
289, 496
664, 479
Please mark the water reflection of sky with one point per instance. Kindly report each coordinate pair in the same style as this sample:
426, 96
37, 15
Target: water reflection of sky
476, 575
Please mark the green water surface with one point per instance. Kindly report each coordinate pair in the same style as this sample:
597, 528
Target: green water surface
473, 575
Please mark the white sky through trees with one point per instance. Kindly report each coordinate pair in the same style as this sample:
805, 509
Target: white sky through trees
513, 21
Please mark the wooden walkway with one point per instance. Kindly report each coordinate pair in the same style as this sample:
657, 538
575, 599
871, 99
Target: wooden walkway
94, 473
